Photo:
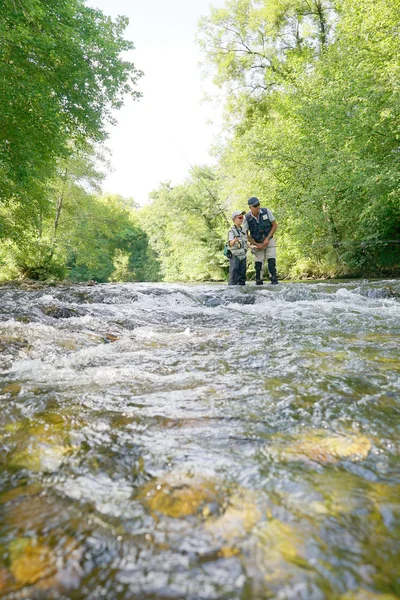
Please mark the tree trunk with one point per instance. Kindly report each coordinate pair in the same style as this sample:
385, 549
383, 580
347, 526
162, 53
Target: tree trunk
60, 201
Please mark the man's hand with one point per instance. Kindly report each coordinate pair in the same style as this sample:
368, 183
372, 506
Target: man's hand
266, 242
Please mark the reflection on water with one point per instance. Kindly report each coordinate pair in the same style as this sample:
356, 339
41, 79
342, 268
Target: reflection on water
200, 442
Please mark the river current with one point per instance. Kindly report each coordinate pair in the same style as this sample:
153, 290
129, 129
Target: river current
200, 442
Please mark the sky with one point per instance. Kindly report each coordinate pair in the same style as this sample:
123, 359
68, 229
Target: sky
171, 127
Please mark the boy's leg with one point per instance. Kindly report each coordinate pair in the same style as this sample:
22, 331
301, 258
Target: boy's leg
242, 272
233, 270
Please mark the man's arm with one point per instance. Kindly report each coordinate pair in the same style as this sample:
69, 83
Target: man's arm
251, 241
270, 235
245, 228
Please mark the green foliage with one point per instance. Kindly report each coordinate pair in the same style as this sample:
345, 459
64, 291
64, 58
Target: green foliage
82, 235
313, 129
61, 74
258, 46
187, 226
314, 126
107, 231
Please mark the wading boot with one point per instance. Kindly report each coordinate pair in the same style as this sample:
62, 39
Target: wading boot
272, 271
259, 267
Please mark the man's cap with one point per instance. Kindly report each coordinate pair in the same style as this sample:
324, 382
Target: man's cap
237, 213
253, 200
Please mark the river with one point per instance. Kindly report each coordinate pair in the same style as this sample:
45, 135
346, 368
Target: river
200, 442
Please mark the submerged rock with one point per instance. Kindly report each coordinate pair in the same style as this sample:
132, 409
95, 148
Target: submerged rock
244, 299
40, 447
12, 388
385, 292
59, 312
11, 347
31, 561
11, 344
34, 562
211, 301
320, 446
362, 594
240, 516
179, 499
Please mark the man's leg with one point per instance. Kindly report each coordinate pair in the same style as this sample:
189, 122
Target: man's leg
272, 270
270, 254
241, 280
233, 270
259, 272
259, 260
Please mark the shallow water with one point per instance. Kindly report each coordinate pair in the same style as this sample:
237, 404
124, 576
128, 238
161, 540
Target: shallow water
200, 442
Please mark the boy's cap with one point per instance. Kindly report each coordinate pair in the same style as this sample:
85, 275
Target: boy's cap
237, 213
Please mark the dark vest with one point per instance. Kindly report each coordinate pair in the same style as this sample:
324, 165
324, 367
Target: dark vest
259, 228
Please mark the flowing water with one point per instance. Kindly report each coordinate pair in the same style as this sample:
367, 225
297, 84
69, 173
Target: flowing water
200, 442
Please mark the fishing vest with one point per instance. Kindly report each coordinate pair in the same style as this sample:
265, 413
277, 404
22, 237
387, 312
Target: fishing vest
259, 228
242, 237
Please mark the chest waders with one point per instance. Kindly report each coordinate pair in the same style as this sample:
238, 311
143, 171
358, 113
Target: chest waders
259, 230
272, 271
259, 266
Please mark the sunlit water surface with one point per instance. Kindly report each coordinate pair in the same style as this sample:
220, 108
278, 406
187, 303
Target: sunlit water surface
200, 442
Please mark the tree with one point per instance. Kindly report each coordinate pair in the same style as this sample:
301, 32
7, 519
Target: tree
187, 225
256, 46
106, 243
83, 235
318, 136
61, 75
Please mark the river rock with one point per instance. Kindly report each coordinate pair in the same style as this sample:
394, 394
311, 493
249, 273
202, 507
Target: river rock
362, 594
320, 446
179, 498
59, 312
31, 561
240, 516
12, 388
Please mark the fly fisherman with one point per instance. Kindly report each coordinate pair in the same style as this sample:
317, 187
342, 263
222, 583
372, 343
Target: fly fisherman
237, 240
260, 226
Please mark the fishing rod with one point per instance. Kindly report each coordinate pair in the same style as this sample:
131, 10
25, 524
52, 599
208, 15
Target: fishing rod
362, 243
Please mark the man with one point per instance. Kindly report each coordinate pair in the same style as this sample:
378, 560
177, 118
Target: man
237, 240
260, 226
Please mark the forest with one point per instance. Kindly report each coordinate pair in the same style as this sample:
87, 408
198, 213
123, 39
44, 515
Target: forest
311, 127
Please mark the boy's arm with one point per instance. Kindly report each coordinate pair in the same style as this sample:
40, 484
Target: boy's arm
232, 239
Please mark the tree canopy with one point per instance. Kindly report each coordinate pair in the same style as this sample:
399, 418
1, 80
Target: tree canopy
186, 225
313, 118
61, 75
